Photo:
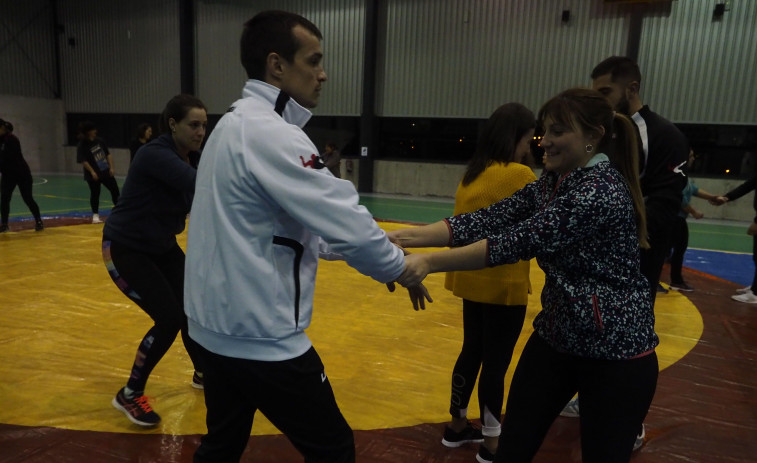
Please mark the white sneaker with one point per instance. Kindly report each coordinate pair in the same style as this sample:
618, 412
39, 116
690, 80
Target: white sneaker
96, 218
747, 297
743, 290
571, 409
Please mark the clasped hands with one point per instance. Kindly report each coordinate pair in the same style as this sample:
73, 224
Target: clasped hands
416, 269
719, 200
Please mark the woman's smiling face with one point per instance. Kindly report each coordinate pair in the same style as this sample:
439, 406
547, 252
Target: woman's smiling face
565, 146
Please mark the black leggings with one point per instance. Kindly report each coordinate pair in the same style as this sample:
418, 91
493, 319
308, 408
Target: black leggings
94, 192
615, 397
156, 284
679, 242
490, 332
652, 259
8, 183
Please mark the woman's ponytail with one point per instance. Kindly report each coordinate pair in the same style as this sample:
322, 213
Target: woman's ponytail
625, 158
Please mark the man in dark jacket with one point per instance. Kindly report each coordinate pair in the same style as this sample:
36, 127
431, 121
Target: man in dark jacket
662, 160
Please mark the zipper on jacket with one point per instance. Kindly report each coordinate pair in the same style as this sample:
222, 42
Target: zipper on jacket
298, 249
597, 316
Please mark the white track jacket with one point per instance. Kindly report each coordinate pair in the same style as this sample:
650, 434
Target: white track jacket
264, 209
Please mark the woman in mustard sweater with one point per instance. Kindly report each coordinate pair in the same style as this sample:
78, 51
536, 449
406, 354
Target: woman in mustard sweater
494, 299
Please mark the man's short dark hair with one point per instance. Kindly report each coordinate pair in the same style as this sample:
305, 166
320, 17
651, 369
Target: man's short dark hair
271, 32
620, 68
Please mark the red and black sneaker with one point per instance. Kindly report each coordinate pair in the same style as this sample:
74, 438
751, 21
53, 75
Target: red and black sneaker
137, 409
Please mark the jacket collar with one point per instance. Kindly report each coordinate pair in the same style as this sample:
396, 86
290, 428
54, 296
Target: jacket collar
596, 159
290, 110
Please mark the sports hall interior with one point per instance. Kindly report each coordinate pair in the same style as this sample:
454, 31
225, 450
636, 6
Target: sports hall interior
410, 82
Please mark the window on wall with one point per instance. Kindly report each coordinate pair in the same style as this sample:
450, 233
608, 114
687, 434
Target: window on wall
428, 139
343, 131
117, 130
722, 150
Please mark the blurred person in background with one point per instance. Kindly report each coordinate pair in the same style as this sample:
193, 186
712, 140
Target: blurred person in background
97, 165
144, 135
15, 172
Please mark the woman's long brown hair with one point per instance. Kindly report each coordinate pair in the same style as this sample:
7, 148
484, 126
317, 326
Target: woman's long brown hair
589, 110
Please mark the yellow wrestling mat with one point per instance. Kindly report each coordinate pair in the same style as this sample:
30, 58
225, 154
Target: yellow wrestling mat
68, 338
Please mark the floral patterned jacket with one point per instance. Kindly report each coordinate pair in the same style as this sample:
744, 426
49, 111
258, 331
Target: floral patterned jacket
582, 231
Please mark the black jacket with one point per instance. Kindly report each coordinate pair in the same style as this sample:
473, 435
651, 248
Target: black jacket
12, 162
156, 198
664, 152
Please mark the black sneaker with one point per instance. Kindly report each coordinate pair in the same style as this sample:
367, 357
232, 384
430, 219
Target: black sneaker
681, 287
661, 289
198, 382
640, 438
38, 226
137, 409
4, 228
484, 455
469, 434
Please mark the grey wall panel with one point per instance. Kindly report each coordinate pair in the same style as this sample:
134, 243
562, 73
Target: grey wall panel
220, 75
699, 69
457, 58
125, 57
27, 51
437, 58
39, 124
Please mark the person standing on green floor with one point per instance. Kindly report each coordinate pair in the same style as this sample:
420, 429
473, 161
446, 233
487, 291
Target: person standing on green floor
680, 233
97, 164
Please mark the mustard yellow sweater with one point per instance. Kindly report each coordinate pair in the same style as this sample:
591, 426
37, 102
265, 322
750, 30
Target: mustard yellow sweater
505, 284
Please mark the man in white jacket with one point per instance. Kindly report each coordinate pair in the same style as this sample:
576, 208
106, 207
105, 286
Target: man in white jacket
264, 209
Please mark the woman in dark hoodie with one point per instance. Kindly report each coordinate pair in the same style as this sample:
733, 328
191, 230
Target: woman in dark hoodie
140, 249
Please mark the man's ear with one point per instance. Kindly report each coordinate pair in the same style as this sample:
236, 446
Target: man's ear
274, 65
632, 89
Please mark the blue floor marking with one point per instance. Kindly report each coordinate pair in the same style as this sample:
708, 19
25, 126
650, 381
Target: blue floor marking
738, 268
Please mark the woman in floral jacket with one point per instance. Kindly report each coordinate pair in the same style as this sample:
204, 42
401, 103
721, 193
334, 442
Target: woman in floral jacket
583, 221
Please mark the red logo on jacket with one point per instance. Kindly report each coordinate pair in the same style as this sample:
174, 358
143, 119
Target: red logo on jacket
313, 163
310, 163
